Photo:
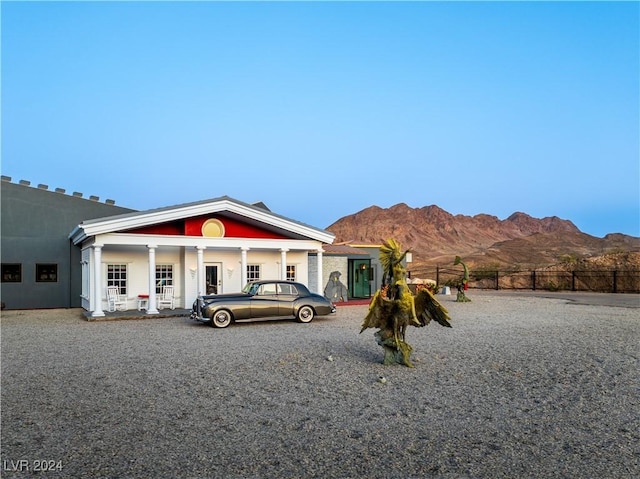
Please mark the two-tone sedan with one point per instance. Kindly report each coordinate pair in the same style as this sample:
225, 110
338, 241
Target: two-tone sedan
262, 300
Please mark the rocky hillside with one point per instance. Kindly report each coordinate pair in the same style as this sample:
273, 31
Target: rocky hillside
436, 237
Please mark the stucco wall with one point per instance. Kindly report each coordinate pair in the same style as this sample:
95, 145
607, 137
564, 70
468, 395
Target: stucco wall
184, 264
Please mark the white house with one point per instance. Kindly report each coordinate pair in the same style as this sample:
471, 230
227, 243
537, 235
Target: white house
211, 246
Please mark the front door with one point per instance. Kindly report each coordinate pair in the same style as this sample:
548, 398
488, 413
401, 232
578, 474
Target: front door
213, 278
360, 275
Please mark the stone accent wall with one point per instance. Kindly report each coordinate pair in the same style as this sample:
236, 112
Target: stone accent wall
335, 263
312, 266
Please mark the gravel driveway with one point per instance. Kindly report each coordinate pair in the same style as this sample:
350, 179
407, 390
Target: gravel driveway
520, 387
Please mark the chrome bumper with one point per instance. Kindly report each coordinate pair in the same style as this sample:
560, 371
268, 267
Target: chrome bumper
196, 310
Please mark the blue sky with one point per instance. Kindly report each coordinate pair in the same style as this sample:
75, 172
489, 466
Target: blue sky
321, 109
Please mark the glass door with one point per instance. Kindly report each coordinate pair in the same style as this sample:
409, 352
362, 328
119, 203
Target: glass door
213, 279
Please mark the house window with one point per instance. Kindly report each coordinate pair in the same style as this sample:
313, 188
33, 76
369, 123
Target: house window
291, 272
253, 272
46, 273
164, 276
117, 276
85, 279
11, 273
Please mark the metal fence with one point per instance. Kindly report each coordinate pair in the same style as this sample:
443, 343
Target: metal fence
609, 281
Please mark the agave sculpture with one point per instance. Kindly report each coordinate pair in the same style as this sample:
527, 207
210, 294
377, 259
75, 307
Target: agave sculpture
394, 307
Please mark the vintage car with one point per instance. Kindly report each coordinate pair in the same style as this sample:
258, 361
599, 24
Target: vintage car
261, 300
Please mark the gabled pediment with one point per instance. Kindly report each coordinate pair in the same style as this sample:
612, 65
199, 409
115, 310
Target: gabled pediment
219, 225
236, 218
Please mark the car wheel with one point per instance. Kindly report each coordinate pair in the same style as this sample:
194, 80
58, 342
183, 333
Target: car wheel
305, 314
221, 319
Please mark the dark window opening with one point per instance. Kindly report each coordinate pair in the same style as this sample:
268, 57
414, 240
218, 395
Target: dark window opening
46, 273
11, 273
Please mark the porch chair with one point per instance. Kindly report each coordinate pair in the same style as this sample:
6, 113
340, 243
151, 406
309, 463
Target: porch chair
115, 300
165, 298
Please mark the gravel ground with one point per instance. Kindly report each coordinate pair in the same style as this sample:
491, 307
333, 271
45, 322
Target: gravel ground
519, 387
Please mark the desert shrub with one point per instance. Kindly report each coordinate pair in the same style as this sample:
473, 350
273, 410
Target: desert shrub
551, 286
569, 259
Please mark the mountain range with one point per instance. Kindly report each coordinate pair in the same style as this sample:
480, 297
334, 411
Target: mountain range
435, 237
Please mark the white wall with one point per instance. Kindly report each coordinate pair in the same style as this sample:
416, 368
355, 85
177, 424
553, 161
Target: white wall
184, 261
230, 268
137, 262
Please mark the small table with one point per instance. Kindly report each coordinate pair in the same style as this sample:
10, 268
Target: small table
143, 302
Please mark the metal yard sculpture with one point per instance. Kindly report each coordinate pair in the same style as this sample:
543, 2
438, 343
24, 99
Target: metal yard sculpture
463, 284
394, 307
335, 290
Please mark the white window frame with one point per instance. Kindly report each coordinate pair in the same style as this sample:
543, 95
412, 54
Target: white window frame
116, 275
253, 272
291, 272
164, 276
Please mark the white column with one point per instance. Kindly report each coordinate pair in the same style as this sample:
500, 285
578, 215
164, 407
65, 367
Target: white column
243, 266
200, 276
97, 281
319, 286
283, 263
152, 309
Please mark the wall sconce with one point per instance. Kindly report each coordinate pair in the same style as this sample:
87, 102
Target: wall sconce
193, 272
230, 271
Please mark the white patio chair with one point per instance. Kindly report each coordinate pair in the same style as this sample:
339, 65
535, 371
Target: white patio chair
165, 298
115, 300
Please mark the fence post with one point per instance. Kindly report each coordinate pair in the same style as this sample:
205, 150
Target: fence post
615, 281
573, 280
533, 279
438, 275
497, 284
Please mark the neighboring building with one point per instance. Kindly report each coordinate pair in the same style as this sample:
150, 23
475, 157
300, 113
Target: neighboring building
40, 266
373, 252
354, 266
212, 246
359, 266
